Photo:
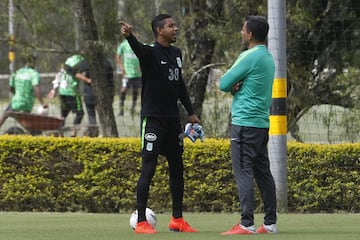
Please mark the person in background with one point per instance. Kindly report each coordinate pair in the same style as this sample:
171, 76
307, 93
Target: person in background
67, 83
109, 76
250, 81
89, 97
25, 87
129, 65
161, 132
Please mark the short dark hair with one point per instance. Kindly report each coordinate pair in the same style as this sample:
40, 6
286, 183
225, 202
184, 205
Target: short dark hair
158, 21
259, 27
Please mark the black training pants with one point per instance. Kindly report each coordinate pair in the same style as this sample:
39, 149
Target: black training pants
161, 136
250, 161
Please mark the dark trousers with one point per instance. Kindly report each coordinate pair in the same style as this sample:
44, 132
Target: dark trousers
90, 109
250, 161
161, 136
135, 84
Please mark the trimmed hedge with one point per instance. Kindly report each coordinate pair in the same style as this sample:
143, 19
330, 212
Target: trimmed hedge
324, 178
100, 175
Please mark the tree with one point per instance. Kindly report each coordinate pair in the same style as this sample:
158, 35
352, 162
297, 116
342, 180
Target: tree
200, 44
212, 40
322, 41
50, 41
94, 54
321, 35
54, 41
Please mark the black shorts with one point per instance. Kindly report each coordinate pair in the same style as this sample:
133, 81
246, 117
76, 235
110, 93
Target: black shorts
131, 82
71, 103
162, 136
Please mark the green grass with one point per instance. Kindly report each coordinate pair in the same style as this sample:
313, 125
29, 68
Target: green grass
86, 226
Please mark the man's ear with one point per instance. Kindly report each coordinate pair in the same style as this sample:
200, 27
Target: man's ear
250, 36
159, 30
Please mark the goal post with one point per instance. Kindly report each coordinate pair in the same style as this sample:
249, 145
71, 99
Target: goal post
278, 113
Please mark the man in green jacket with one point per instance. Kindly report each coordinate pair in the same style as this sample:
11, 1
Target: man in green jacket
250, 82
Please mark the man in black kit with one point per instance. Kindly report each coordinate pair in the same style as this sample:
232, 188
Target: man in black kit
161, 132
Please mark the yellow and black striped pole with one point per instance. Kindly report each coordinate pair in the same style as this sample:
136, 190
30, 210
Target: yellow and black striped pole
278, 114
11, 54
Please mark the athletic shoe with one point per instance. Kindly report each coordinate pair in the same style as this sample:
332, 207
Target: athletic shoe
267, 229
144, 228
240, 229
180, 225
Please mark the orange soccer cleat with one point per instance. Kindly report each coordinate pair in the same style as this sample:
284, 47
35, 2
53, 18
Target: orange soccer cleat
240, 229
144, 228
180, 225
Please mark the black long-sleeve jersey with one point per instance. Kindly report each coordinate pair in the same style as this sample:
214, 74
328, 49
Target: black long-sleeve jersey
162, 82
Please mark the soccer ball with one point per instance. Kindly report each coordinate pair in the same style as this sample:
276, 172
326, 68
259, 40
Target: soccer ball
40, 110
150, 217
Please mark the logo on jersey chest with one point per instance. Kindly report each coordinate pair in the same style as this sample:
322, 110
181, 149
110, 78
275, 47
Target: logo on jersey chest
178, 62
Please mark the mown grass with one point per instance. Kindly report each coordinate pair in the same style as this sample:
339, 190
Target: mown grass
87, 226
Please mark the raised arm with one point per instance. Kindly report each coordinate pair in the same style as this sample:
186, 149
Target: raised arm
140, 50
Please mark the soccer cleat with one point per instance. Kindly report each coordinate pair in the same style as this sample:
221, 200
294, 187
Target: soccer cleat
180, 225
240, 229
144, 228
267, 229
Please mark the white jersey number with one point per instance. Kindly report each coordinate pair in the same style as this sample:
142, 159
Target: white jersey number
174, 74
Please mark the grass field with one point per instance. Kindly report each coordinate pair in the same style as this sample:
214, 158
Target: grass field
85, 226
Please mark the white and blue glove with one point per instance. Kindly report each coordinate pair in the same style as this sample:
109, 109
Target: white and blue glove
194, 131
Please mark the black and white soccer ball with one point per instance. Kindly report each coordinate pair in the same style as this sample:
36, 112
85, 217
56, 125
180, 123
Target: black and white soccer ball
150, 217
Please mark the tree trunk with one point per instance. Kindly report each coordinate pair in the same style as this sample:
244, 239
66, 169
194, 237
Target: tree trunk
200, 47
94, 55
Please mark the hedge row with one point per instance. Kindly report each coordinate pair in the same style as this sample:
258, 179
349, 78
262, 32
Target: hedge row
324, 178
99, 175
